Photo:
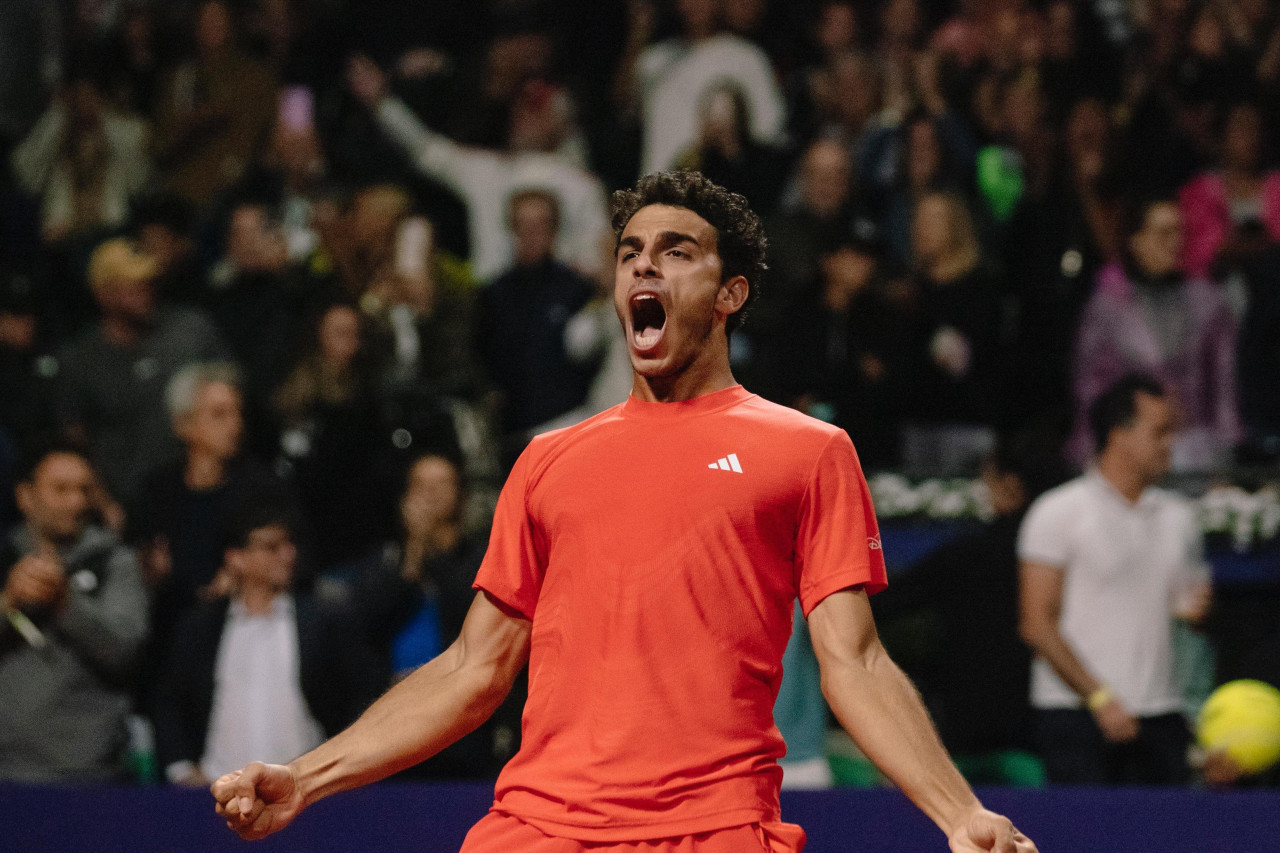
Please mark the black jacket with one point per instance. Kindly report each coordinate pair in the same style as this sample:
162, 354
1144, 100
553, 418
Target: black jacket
338, 672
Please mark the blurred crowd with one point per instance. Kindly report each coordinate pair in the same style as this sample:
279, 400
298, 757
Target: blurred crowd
286, 285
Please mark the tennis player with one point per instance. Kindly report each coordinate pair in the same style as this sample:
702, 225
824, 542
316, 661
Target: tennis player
644, 563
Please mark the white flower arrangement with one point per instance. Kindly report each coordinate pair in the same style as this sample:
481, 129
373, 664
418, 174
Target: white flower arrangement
1249, 519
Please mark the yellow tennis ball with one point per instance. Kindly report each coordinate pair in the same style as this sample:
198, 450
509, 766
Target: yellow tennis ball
1243, 719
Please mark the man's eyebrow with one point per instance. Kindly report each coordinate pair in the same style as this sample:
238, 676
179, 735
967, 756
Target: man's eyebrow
671, 238
665, 239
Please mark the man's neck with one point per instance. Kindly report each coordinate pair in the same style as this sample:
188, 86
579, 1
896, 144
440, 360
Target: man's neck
204, 471
694, 380
1122, 477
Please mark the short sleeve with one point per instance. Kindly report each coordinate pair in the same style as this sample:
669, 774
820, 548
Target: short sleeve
515, 562
837, 538
1045, 533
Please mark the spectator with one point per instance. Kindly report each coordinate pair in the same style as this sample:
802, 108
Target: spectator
27, 369
331, 437
112, 377
842, 349
975, 678
178, 522
672, 76
521, 326
214, 111
957, 341
1147, 315
1232, 212
76, 618
725, 152
1057, 243
485, 180
413, 593
162, 225
1107, 561
265, 672
84, 160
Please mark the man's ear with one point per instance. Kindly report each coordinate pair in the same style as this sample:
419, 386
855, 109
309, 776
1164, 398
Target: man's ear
733, 295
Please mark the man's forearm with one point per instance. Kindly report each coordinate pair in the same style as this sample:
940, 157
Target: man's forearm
435, 706
1050, 645
880, 708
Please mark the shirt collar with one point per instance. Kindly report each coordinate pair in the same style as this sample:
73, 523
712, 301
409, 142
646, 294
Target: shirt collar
282, 605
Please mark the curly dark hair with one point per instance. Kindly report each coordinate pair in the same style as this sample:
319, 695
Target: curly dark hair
740, 239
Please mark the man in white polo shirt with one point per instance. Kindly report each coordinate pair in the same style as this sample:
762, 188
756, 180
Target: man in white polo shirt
1108, 561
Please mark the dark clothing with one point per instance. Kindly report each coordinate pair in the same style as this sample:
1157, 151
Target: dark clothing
337, 673
976, 684
193, 526
522, 317
1075, 753
117, 396
388, 606
1259, 355
847, 366
971, 306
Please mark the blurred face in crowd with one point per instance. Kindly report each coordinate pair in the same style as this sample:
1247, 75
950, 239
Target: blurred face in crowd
339, 335
267, 560
698, 16
56, 501
932, 232
1088, 138
129, 299
668, 290
900, 20
215, 423
924, 154
534, 227
1157, 247
1242, 138
837, 28
213, 28
826, 177
432, 496
1146, 443
846, 272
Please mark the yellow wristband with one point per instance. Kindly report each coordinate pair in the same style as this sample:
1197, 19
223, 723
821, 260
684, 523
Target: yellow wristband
1099, 698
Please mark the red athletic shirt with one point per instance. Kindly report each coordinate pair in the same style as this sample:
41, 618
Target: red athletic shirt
657, 549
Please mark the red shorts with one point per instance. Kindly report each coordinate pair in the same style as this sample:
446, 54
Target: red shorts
500, 833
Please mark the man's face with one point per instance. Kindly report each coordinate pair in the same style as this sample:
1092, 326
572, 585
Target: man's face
57, 500
1147, 443
215, 424
1158, 246
533, 224
431, 497
668, 289
267, 559
826, 178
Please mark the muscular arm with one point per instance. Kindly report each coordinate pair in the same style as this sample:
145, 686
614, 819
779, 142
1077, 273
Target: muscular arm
436, 705
876, 703
881, 710
439, 703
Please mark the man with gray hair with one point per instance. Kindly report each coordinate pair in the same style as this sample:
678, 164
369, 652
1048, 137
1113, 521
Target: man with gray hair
178, 521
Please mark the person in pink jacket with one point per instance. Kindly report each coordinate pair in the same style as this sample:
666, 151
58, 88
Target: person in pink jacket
1228, 210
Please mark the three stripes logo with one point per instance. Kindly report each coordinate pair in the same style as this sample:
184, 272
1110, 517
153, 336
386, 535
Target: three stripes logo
727, 463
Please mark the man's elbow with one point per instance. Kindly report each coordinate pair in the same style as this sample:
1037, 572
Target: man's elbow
1035, 631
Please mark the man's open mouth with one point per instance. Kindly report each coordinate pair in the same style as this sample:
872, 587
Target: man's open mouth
648, 319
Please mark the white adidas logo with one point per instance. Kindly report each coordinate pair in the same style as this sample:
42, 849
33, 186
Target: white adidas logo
727, 463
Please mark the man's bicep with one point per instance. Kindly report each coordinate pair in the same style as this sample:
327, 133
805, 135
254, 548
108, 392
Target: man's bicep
1039, 593
842, 629
494, 634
